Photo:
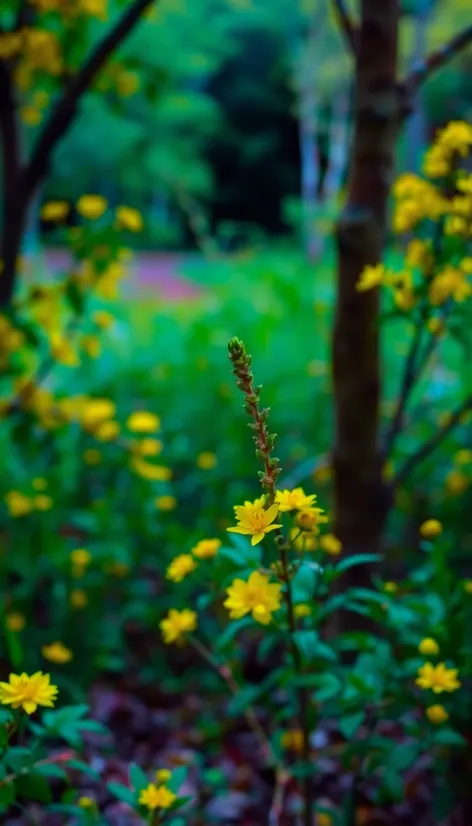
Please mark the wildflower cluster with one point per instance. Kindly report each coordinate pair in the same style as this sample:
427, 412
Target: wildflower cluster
438, 207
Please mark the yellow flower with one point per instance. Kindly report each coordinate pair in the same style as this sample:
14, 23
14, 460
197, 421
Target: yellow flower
39, 483
107, 431
143, 422
156, 797
103, 319
257, 596
78, 598
42, 50
371, 276
296, 499
42, 502
302, 610
303, 540
91, 206
165, 502
95, 8
331, 544
254, 521
54, 211
437, 677
431, 528
468, 586
15, 621
180, 567
456, 136
163, 775
56, 652
435, 326
456, 482
418, 254
92, 457
129, 219
96, 411
62, 350
177, 624
10, 44
86, 802
148, 447
206, 548
22, 691
91, 346
18, 504
206, 460
451, 282
390, 587
119, 569
311, 519
127, 83
293, 740
437, 714
155, 473
80, 557
428, 647
463, 457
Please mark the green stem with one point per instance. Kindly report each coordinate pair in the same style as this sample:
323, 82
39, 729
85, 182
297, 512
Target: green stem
303, 697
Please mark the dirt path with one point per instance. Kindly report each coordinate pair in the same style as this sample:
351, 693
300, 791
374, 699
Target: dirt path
155, 274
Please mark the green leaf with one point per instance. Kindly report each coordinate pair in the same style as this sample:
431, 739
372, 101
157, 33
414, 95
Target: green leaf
403, 756
357, 559
446, 736
137, 778
304, 583
232, 631
306, 642
392, 785
178, 778
18, 758
51, 770
80, 766
34, 786
122, 793
329, 685
349, 723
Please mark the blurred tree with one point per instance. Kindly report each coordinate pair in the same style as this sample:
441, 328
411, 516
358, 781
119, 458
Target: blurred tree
362, 498
46, 66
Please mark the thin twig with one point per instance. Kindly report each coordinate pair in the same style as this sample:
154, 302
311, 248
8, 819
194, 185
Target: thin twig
282, 776
425, 68
410, 377
346, 24
432, 443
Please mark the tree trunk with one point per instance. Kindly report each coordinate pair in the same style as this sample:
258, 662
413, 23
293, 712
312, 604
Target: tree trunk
362, 500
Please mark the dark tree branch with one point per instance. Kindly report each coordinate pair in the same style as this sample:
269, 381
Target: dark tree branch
64, 111
9, 136
410, 375
437, 59
346, 24
423, 452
